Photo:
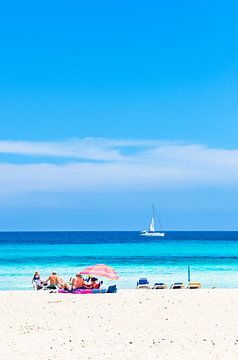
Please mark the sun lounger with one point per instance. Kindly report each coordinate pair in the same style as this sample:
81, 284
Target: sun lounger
194, 285
112, 289
37, 285
177, 285
160, 286
143, 283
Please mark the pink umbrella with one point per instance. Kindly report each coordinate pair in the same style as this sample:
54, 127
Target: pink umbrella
101, 270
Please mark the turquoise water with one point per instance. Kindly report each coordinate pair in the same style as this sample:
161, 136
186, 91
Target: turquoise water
213, 256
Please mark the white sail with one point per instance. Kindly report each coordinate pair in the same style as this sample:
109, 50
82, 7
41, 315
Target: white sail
152, 225
151, 231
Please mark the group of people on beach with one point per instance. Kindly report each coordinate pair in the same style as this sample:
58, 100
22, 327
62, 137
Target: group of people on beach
55, 281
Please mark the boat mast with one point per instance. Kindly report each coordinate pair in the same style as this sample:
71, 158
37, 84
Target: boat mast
157, 216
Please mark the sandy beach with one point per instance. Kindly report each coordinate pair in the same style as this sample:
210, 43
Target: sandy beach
133, 324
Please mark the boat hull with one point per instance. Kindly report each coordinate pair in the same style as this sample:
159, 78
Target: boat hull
147, 233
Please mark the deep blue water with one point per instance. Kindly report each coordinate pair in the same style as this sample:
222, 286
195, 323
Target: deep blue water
213, 256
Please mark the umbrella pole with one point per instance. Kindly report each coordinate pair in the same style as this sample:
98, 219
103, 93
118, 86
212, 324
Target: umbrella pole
189, 277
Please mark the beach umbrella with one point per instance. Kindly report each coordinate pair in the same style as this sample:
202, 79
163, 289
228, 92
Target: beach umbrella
101, 270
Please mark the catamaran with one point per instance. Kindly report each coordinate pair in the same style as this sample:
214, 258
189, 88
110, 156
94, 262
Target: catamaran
152, 231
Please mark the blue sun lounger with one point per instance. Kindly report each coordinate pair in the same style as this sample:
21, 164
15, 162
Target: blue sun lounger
177, 285
160, 286
143, 283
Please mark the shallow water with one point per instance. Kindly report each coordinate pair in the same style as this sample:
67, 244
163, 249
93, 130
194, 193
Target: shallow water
213, 256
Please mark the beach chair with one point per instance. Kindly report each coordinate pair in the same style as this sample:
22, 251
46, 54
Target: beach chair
160, 286
194, 285
142, 283
37, 285
112, 289
177, 285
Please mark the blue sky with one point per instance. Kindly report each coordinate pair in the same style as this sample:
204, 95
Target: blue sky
109, 106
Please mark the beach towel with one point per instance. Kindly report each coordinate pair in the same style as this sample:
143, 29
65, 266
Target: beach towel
83, 291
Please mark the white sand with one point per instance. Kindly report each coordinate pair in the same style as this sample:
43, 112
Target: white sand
136, 324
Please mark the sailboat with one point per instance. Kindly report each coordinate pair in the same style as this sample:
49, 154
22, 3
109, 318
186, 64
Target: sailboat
152, 231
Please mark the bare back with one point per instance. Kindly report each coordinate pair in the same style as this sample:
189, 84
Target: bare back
53, 279
78, 282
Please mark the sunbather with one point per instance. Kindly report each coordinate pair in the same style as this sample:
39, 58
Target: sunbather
54, 280
36, 277
78, 282
93, 284
36, 281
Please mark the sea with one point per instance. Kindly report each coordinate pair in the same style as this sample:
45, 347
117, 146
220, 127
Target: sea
212, 257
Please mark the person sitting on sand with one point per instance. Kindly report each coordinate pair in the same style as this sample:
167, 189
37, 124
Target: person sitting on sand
54, 281
36, 280
64, 285
93, 284
78, 282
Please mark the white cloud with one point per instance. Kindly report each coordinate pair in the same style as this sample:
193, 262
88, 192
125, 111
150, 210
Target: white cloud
88, 149
120, 165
